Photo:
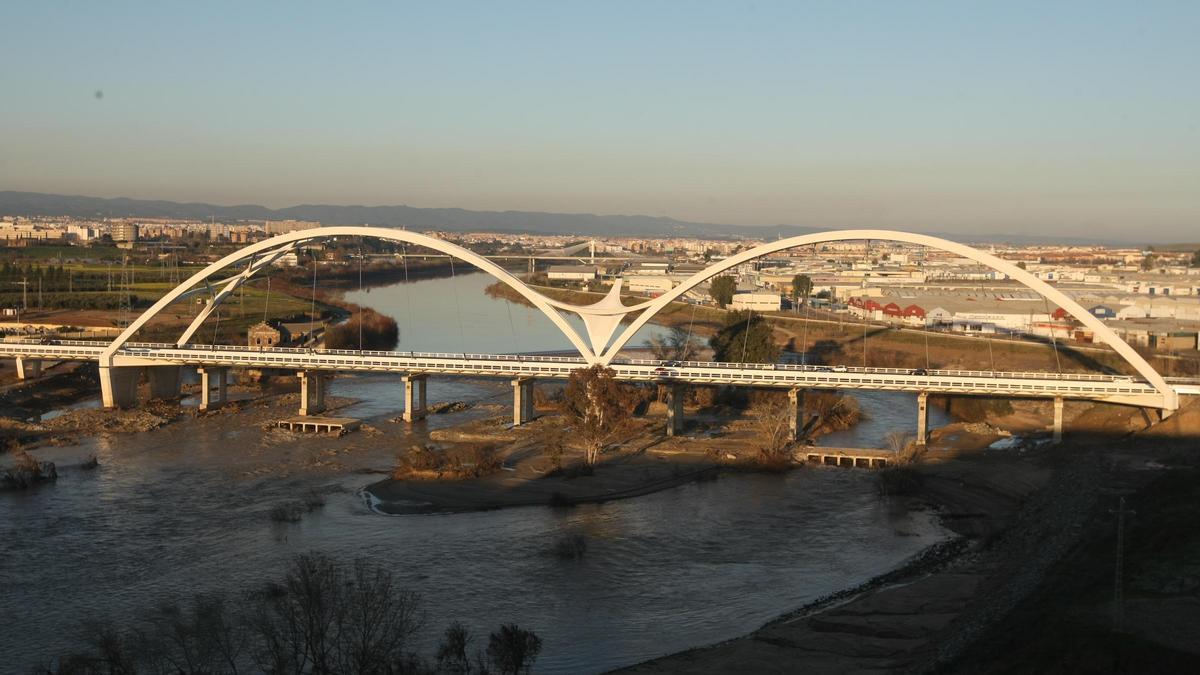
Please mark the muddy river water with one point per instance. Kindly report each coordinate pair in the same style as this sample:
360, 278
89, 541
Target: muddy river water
167, 516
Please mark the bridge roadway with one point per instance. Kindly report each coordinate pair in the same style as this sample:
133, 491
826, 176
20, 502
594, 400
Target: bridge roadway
1112, 388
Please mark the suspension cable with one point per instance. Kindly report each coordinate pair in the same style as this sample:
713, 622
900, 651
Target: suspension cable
312, 317
407, 289
746, 337
462, 338
512, 327
267, 301
1053, 338
360, 287
866, 259
688, 345
804, 340
991, 356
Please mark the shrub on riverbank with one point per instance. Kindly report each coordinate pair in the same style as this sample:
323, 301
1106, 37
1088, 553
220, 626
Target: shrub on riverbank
900, 477
26, 471
367, 328
294, 510
432, 463
836, 411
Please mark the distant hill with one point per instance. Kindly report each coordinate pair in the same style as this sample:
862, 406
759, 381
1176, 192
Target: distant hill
413, 218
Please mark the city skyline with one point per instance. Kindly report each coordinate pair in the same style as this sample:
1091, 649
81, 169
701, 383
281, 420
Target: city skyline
1070, 120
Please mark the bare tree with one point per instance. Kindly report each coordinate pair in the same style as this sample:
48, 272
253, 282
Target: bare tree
772, 427
677, 345
598, 407
378, 621
902, 445
513, 650
325, 619
452, 650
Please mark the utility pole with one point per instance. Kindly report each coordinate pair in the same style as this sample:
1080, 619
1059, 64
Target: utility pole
24, 293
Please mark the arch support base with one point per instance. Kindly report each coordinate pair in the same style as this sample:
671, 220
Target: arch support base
312, 391
795, 413
212, 378
922, 417
522, 401
414, 397
1058, 420
164, 382
675, 393
118, 386
28, 368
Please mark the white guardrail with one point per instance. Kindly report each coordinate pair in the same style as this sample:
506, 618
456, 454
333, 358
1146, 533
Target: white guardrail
519, 365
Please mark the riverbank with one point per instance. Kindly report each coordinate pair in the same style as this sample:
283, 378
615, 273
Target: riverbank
717, 440
975, 604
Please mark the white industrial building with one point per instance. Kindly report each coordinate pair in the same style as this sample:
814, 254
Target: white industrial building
759, 302
581, 273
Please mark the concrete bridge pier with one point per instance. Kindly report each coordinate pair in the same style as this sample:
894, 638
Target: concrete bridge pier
118, 386
164, 382
414, 397
922, 417
1058, 419
28, 368
675, 394
795, 413
312, 391
210, 378
522, 401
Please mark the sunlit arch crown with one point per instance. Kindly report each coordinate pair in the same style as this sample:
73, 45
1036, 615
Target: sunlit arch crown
603, 318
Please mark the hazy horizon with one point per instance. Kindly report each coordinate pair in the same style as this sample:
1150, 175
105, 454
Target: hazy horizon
1071, 119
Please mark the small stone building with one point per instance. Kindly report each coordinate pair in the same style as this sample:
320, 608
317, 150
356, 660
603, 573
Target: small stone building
265, 335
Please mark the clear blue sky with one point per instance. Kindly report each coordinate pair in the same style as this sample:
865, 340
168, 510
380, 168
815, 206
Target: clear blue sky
1024, 117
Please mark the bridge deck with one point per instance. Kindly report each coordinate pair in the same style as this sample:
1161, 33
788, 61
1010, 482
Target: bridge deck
1047, 385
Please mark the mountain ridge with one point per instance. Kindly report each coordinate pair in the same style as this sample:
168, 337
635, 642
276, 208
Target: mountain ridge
17, 203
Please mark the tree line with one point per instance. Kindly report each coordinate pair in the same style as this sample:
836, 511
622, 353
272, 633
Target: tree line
322, 618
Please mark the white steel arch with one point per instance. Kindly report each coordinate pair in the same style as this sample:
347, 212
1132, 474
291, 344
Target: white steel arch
602, 318
649, 309
261, 254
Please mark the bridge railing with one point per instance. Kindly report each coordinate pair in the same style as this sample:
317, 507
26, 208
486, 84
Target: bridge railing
1087, 377
134, 347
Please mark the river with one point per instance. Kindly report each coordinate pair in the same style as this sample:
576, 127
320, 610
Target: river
161, 519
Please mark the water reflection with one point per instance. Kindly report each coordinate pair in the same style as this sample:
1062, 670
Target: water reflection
455, 315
